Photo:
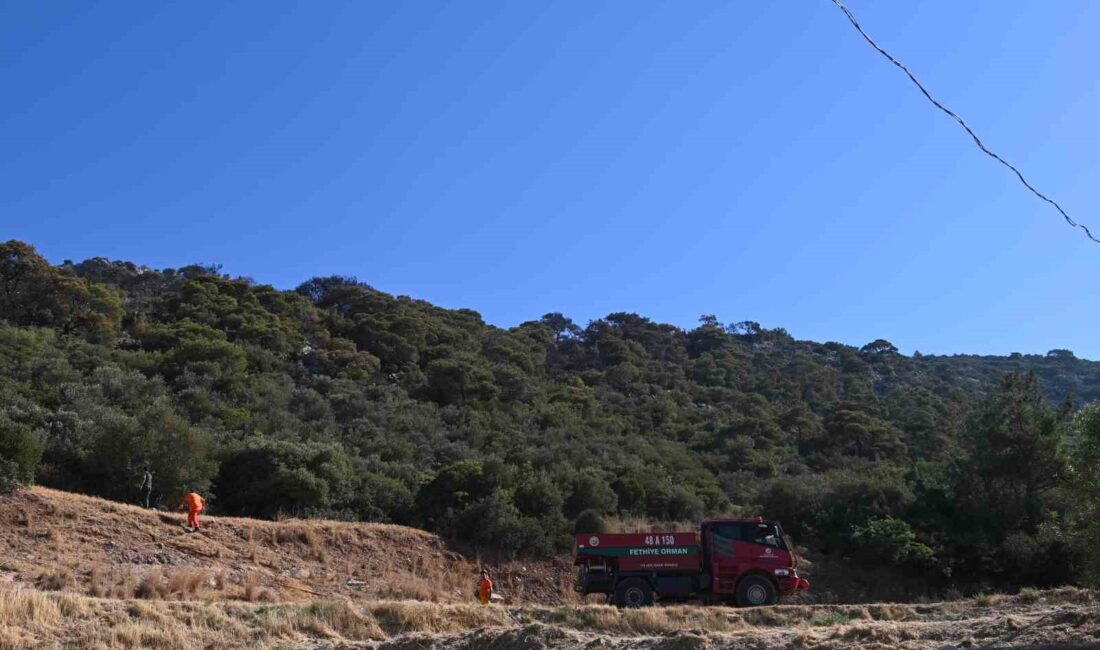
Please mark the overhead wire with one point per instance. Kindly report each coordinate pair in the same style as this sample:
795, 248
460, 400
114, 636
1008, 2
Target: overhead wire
962, 123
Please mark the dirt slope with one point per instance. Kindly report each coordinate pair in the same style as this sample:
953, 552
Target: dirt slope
63, 541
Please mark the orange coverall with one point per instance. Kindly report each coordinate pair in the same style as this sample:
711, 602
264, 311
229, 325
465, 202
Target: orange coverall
194, 505
485, 590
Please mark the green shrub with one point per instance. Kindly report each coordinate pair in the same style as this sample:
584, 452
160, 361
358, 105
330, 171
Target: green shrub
590, 521
267, 477
891, 540
20, 453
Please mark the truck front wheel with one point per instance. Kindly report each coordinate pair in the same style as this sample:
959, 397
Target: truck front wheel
753, 591
633, 593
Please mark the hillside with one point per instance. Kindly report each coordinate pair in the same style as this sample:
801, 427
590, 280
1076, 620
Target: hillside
60, 541
340, 401
84, 572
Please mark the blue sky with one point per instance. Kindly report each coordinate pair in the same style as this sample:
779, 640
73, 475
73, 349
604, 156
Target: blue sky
747, 159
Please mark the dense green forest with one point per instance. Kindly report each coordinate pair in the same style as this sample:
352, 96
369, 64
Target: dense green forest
339, 400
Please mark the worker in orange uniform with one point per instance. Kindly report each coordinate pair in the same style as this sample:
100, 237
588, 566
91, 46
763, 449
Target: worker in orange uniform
485, 588
194, 504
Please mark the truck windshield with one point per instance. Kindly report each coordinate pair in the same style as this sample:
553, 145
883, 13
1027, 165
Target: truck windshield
767, 534
757, 533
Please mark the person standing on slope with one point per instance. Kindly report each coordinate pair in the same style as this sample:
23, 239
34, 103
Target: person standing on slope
194, 504
485, 588
146, 486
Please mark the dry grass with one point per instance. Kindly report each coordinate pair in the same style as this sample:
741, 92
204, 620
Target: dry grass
984, 600
149, 586
254, 591
157, 584
115, 545
186, 583
32, 618
403, 617
28, 617
55, 580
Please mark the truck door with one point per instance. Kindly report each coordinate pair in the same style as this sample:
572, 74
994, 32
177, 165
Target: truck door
725, 560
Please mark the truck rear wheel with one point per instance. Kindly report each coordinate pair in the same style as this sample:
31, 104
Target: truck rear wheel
633, 592
754, 591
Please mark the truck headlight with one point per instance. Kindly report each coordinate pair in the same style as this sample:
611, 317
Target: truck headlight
782, 572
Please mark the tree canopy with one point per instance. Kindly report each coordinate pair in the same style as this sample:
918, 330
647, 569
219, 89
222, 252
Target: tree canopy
339, 400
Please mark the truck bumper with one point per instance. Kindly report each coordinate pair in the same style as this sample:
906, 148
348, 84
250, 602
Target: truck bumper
791, 584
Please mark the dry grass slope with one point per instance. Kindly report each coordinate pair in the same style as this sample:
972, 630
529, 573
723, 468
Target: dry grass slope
66, 542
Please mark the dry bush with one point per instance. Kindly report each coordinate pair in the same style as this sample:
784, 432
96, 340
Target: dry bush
55, 580
983, 600
28, 609
886, 636
412, 588
828, 619
144, 635
185, 583
889, 612
311, 537
316, 546
144, 611
341, 538
151, 586
126, 587
1070, 595
106, 584
341, 617
14, 639
291, 534
302, 535
648, 620
411, 616
97, 585
251, 546
254, 590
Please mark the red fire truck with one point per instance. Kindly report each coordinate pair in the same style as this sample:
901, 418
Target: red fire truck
746, 562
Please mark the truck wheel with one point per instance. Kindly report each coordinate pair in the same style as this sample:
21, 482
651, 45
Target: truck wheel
754, 591
633, 593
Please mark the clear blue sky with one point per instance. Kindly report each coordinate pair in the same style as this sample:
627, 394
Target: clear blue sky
754, 160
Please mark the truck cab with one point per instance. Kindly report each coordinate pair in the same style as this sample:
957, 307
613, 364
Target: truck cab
747, 562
